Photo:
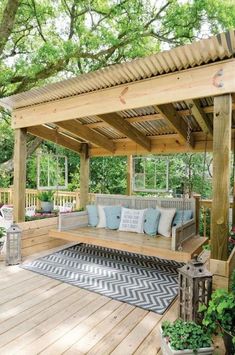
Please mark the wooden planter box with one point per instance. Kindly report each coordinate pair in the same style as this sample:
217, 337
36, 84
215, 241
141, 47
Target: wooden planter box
222, 271
35, 237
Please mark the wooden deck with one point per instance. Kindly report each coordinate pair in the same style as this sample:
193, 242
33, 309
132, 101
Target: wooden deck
133, 242
39, 315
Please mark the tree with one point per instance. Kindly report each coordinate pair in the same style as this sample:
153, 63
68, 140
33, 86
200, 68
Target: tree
45, 41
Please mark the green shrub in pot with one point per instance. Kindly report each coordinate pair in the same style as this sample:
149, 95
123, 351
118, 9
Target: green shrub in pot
182, 337
47, 200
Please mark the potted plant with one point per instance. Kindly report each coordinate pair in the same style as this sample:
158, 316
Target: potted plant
47, 200
185, 338
219, 316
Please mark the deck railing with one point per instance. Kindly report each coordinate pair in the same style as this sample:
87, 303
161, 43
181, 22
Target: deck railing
62, 198
205, 217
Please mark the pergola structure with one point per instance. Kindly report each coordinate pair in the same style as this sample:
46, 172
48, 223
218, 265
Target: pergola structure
139, 107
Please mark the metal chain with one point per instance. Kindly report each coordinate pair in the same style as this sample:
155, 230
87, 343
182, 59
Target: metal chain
189, 130
204, 167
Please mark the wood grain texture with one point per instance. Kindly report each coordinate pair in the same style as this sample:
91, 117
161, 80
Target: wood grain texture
124, 127
88, 134
221, 177
200, 116
178, 86
42, 315
20, 153
132, 242
35, 237
56, 137
171, 115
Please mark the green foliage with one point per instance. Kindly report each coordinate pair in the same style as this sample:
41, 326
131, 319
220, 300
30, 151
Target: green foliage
233, 282
2, 232
185, 335
219, 316
108, 175
46, 196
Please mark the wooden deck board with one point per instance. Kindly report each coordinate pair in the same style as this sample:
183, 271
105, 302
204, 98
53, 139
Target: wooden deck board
39, 315
133, 242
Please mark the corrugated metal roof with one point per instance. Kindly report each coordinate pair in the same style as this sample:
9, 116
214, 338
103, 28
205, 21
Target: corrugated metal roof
198, 53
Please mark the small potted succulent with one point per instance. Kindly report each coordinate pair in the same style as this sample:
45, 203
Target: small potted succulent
47, 200
185, 338
219, 316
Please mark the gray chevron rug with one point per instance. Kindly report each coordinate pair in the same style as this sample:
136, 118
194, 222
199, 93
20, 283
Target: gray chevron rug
144, 281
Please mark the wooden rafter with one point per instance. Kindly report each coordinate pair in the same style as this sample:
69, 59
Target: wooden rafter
124, 127
171, 115
79, 130
151, 117
200, 116
56, 137
178, 86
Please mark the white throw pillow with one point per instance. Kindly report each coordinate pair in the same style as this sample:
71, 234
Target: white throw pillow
165, 222
102, 217
132, 220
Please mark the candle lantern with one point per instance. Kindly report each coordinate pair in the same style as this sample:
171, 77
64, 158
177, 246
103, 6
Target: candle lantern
13, 245
195, 287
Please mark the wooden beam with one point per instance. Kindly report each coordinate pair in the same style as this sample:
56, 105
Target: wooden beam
145, 118
88, 134
178, 86
221, 177
177, 123
160, 145
152, 117
121, 125
200, 116
56, 137
84, 175
129, 174
20, 154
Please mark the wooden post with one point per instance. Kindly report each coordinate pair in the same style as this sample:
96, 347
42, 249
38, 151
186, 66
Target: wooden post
84, 175
233, 209
129, 175
221, 176
19, 174
197, 212
77, 206
11, 195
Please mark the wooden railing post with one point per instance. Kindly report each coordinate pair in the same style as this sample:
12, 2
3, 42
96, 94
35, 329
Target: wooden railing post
197, 212
77, 199
11, 195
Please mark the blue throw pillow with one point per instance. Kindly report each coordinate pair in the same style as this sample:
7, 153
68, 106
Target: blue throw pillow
187, 215
113, 216
151, 221
93, 218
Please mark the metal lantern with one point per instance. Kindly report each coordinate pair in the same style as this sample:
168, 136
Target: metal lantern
195, 287
13, 245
